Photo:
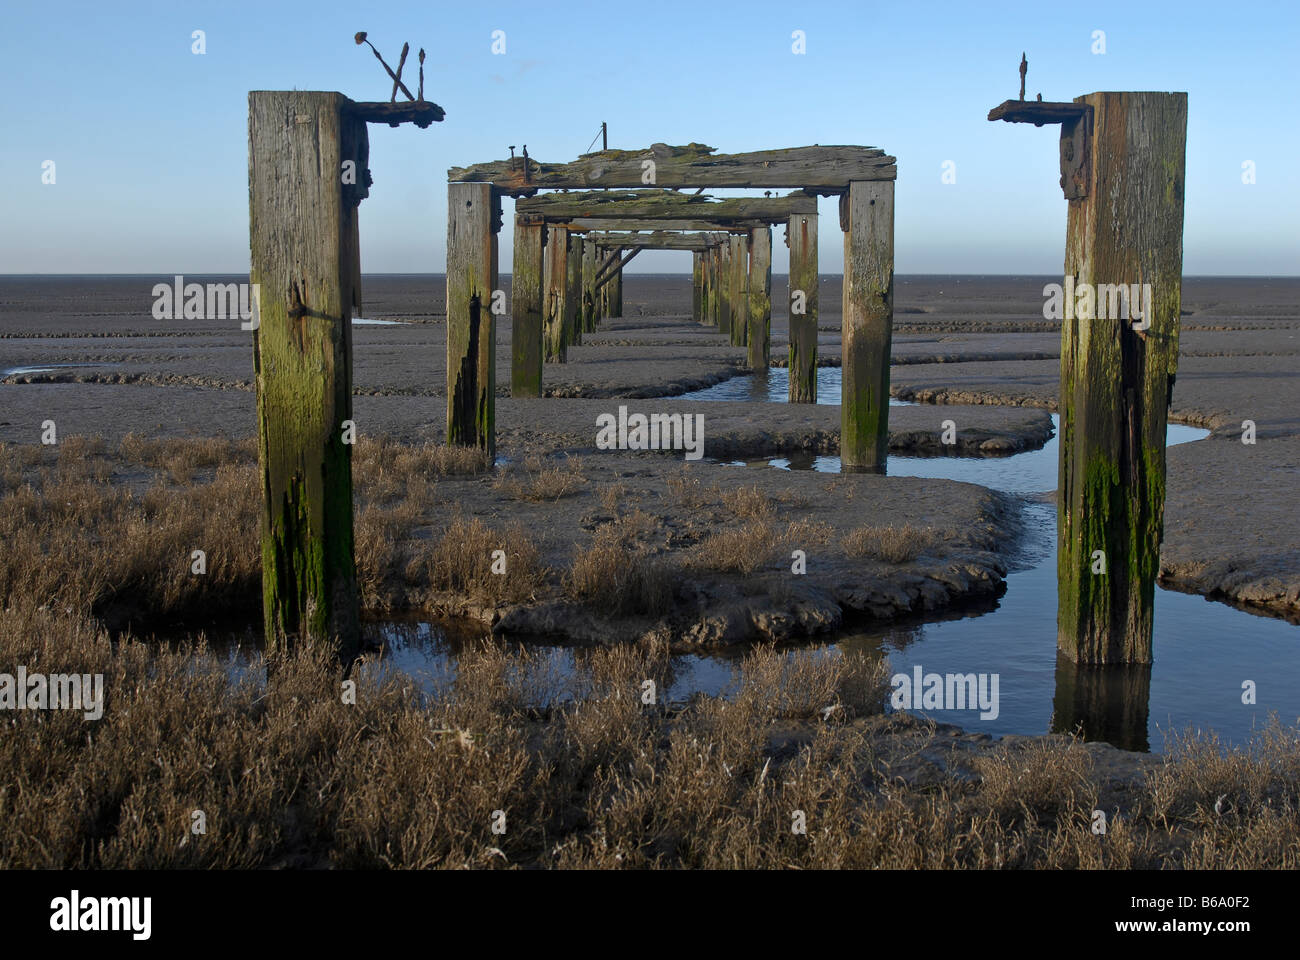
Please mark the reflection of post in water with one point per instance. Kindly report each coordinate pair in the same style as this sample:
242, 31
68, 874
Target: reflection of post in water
1107, 702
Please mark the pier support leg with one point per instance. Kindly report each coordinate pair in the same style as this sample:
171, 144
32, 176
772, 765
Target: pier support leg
760, 297
867, 217
573, 292
1115, 380
305, 264
473, 217
801, 237
724, 288
697, 287
555, 294
590, 264
526, 310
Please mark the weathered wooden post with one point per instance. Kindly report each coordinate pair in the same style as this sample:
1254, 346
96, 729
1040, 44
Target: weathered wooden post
867, 218
554, 295
724, 288
760, 297
1122, 170
526, 309
573, 291
739, 291
616, 293
473, 217
306, 274
697, 286
801, 237
590, 264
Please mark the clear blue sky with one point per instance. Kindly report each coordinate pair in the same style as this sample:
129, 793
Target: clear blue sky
150, 140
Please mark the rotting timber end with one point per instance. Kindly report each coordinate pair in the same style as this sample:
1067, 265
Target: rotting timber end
1076, 127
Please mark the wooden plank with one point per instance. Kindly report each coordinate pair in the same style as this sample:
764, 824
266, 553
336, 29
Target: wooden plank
1116, 381
801, 237
760, 298
868, 210
526, 310
305, 264
556, 272
664, 205
826, 169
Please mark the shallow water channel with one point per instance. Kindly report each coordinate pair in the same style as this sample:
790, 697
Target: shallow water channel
1204, 651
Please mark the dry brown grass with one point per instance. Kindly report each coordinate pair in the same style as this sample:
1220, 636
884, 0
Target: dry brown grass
289, 775
540, 482
741, 550
892, 544
617, 575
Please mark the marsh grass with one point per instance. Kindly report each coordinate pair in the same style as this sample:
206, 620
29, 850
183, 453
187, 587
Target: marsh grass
288, 775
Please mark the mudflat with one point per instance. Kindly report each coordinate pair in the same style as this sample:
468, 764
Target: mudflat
88, 353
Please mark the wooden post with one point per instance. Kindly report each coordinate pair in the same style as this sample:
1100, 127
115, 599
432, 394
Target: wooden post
738, 291
473, 209
697, 286
616, 294
1115, 380
573, 292
305, 271
526, 309
760, 297
867, 217
801, 237
715, 287
724, 288
590, 263
555, 293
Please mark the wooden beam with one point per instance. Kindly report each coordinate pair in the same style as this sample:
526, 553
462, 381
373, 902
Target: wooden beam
664, 205
616, 270
526, 310
660, 240
760, 298
1115, 379
821, 169
867, 211
801, 237
305, 268
625, 225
